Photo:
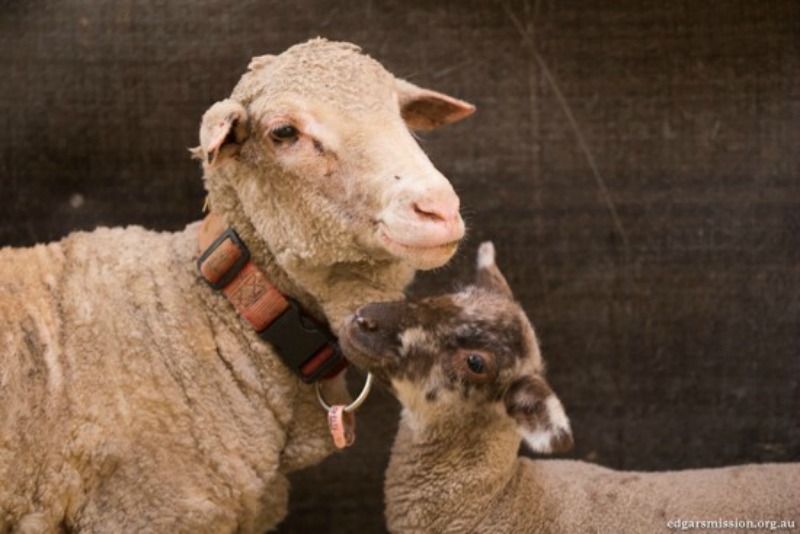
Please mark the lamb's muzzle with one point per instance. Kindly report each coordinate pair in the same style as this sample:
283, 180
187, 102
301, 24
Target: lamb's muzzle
370, 337
363, 322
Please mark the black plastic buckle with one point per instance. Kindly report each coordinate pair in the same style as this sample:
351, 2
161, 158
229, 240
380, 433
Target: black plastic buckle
296, 338
226, 278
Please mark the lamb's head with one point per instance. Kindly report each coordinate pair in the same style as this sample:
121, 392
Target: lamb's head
319, 138
470, 355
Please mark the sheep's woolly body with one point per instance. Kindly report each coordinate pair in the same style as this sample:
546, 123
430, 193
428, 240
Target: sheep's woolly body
133, 398
480, 485
126, 365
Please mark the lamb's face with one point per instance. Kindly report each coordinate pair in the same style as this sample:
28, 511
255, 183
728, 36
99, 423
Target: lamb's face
472, 351
330, 126
472, 343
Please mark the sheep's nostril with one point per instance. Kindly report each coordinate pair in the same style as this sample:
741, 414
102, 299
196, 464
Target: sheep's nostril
429, 213
366, 324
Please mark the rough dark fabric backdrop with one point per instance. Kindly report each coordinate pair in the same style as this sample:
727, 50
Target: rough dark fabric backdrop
636, 163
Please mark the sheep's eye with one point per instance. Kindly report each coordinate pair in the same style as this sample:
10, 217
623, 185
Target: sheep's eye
476, 364
284, 132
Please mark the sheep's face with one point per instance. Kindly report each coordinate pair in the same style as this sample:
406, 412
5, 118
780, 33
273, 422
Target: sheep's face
326, 129
472, 351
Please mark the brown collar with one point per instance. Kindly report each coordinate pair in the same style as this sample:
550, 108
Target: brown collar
309, 349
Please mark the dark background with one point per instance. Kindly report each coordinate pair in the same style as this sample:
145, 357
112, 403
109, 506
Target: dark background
635, 162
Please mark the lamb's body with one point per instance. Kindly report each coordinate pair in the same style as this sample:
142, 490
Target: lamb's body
480, 485
467, 369
133, 398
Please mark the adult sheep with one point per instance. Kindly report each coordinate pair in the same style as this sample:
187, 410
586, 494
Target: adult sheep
133, 397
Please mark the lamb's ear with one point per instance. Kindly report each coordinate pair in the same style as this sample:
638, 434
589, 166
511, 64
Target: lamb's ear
540, 417
259, 62
222, 132
488, 275
423, 109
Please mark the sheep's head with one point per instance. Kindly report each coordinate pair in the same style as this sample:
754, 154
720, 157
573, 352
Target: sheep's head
320, 136
472, 351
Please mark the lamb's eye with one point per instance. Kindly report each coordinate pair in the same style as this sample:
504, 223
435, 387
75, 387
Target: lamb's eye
476, 364
284, 132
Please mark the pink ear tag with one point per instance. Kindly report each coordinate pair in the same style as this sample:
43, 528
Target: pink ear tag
341, 418
342, 425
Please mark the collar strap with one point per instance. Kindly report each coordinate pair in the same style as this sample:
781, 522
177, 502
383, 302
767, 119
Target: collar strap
306, 347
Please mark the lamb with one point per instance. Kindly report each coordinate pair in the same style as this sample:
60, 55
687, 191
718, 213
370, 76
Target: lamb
133, 397
468, 373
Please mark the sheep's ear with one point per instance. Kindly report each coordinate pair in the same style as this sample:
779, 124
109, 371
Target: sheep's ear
540, 417
488, 275
423, 109
222, 132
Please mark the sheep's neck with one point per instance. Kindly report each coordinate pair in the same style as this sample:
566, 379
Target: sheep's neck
283, 234
437, 484
263, 257
329, 292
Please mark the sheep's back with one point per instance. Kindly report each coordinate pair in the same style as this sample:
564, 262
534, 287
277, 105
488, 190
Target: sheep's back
119, 370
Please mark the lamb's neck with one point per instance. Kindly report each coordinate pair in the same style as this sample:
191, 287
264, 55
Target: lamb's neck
436, 484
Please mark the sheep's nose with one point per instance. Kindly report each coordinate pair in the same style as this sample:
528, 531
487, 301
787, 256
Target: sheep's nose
366, 324
438, 210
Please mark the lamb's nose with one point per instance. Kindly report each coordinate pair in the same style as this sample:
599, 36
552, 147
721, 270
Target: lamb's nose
366, 324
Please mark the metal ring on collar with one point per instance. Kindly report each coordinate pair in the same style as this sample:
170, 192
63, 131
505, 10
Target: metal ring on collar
353, 405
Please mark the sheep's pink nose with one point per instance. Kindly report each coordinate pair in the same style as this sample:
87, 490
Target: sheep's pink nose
437, 210
425, 219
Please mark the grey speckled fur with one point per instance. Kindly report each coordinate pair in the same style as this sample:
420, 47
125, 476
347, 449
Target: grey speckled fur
454, 465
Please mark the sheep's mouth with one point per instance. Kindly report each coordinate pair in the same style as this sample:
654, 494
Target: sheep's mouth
419, 256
